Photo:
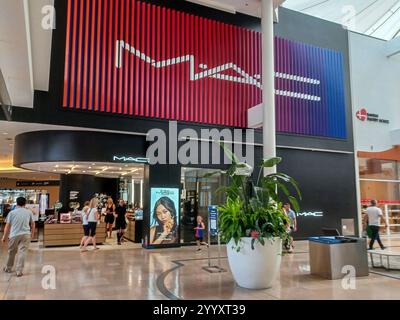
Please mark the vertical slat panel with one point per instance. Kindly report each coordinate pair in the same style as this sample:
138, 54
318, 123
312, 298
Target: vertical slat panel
178, 35
104, 69
114, 72
92, 34
207, 43
127, 57
163, 57
147, 51
253, 88
67, 74
137, 59
132, 59
214, 62
97, 90
188, 50
85, 54
184, 85
223, 87
72, 85
152, 56
142, 48
232, 97
196, 31
168, 68
81, 25
120, 72
158, 32
110, 55
173, 66
201, 111
191, 28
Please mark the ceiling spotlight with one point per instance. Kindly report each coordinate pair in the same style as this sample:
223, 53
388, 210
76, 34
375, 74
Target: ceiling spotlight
90, 167
84, 171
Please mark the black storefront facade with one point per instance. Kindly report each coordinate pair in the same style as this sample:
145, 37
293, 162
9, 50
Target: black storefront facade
323, 166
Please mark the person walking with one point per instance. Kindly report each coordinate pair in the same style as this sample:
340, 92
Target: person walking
85, 223
373, 216
110, 216
199, 235
92, 224
120, 220
19, 230
292, 226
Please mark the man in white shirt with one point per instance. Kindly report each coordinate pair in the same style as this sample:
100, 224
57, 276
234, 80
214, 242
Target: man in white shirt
19, 229
373, 216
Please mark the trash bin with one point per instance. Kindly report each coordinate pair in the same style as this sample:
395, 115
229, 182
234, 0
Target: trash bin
329, 255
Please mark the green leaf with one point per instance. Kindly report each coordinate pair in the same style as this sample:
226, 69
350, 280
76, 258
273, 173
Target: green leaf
295, 204
252, 243
269, 163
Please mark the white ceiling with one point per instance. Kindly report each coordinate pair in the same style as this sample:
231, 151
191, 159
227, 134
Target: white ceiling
376, 18
25, 49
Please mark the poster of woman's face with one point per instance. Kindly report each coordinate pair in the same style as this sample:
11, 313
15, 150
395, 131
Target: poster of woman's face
164, 215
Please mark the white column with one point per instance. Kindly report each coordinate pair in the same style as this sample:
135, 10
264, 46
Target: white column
268, 79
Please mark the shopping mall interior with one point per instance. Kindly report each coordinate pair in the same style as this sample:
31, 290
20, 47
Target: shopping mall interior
88, 88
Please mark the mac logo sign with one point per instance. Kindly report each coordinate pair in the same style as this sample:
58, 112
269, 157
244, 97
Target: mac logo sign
311, 214
130, 159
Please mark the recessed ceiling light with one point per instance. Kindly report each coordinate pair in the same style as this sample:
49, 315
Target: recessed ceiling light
90, 167
56, 166
84, 171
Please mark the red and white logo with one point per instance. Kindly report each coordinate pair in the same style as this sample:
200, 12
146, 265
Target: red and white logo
362, 114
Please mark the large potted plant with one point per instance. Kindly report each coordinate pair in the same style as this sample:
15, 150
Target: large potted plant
252, 221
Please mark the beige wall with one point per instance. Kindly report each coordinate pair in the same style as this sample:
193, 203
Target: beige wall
54, 191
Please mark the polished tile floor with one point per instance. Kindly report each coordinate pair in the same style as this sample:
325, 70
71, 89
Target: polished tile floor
129, 272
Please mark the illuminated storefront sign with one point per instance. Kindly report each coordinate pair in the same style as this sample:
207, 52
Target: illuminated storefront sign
130, 159
311, 214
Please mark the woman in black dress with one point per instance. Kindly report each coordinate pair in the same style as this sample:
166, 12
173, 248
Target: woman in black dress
109, 219
120, 221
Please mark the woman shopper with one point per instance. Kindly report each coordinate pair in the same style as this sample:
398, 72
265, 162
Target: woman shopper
93, 218
85, 223
110, 216
120, 220
199, 235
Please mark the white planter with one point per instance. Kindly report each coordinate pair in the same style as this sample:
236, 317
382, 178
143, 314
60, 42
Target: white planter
258, 268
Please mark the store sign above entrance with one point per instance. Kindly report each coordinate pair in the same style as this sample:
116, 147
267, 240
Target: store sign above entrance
139, 59
130, 159
363, 116
311, 214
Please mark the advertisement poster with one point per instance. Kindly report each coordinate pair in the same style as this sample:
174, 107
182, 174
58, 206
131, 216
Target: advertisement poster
213, 220
164, 216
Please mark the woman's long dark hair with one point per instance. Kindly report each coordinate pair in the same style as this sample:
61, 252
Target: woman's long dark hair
170, 206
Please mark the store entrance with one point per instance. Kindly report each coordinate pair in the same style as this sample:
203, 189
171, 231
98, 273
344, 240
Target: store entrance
198, 192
